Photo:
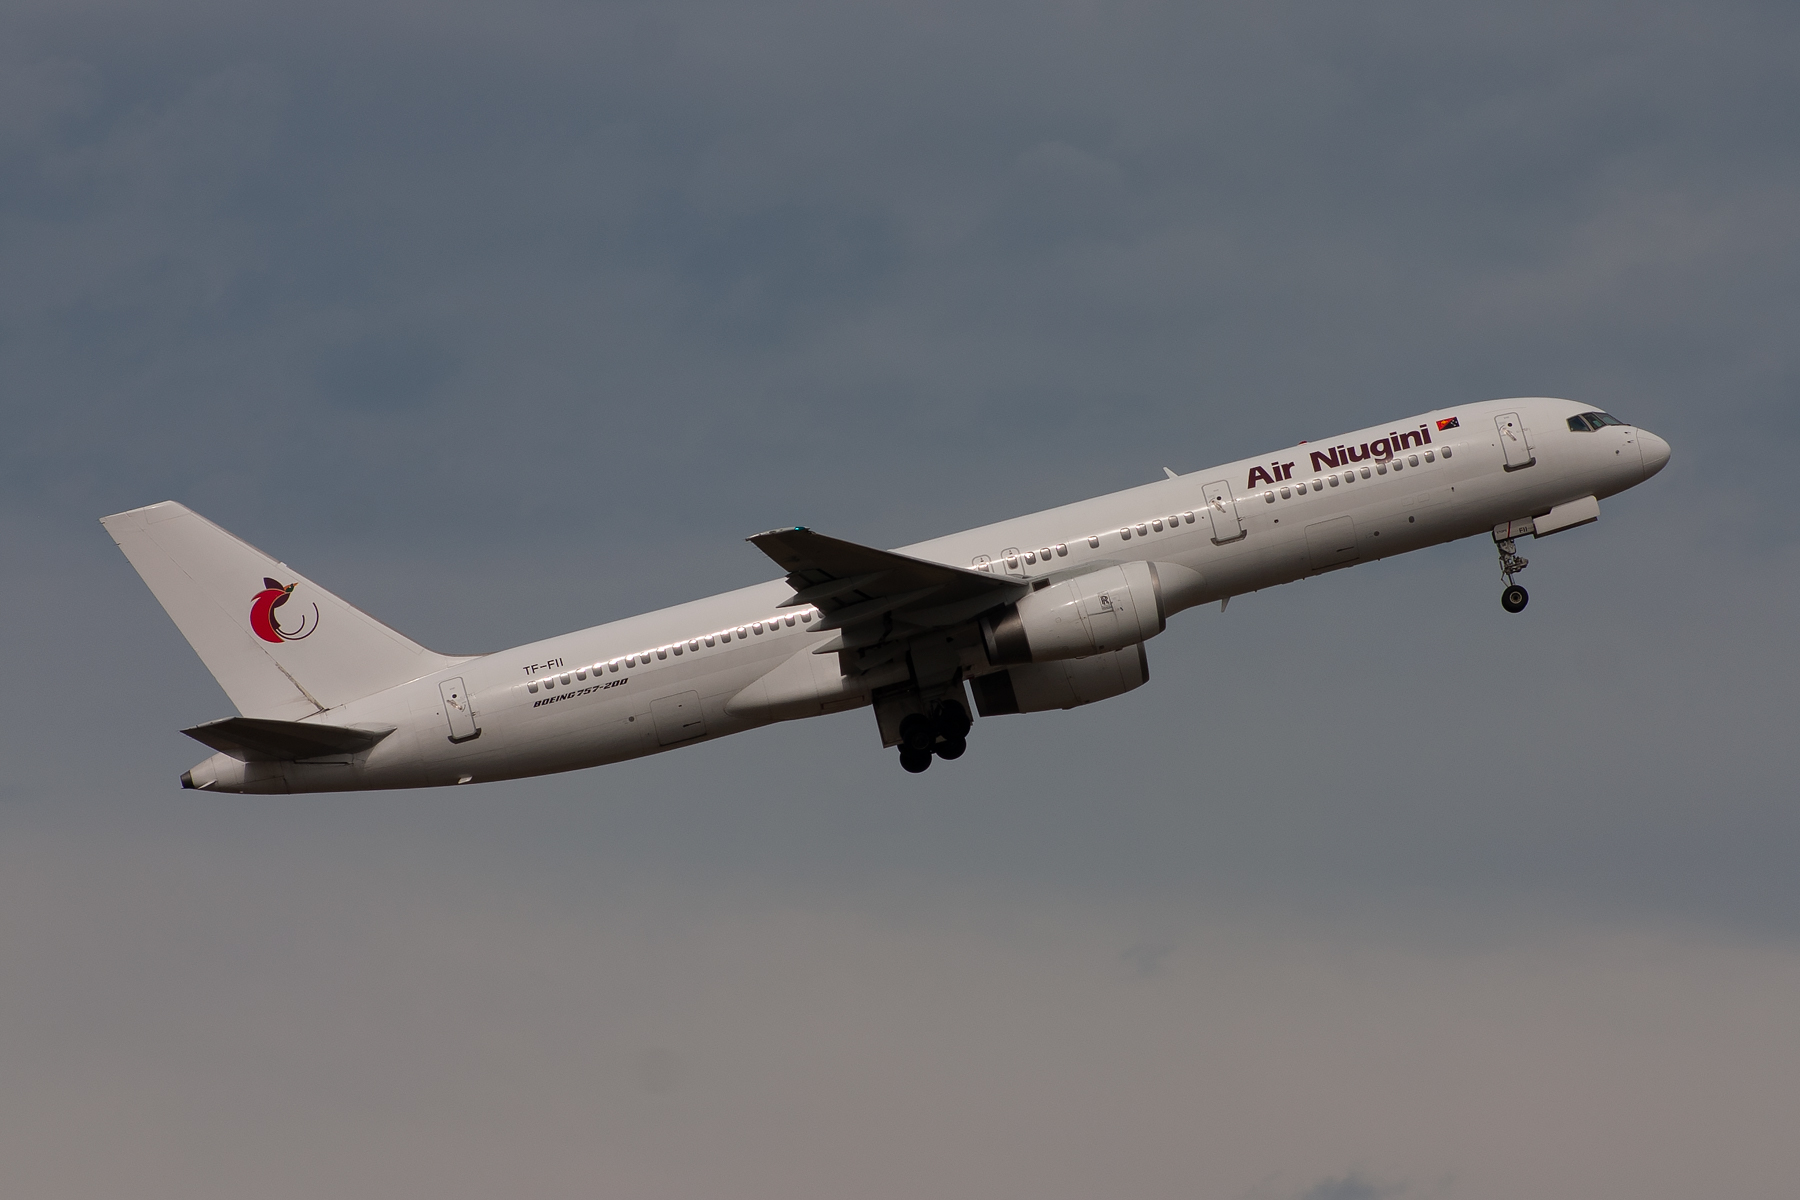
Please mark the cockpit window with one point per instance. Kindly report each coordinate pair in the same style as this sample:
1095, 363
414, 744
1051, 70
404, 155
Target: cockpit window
1588, 422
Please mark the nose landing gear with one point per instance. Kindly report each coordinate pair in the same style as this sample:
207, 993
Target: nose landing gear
1514, 598
944, 732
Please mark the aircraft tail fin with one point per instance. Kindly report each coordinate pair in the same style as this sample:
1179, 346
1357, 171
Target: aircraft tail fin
280, 645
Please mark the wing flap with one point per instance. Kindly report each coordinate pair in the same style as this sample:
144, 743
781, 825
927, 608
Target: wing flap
259, 739
852, 584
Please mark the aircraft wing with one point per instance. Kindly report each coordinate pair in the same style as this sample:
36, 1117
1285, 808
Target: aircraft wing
259, 739
872, 593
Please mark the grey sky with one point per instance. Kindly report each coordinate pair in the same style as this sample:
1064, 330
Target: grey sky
502, 320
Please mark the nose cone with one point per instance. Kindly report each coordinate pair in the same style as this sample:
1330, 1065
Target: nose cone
1654, 450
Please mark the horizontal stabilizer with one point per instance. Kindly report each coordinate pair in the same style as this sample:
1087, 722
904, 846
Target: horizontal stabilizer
258, 739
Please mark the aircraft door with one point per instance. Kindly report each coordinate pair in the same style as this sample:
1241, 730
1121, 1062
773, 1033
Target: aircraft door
1515, 442
678, 718
458, 710
1227, 525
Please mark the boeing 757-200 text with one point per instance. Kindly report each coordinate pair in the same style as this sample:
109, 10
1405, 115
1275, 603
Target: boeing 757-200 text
1050, 610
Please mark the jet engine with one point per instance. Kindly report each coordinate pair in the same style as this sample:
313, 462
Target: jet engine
1038, 687
1096, 613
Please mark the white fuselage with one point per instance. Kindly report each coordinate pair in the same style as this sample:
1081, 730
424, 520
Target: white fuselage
685, 674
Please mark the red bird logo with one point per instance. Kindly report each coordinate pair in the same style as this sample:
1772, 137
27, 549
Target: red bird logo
262, 614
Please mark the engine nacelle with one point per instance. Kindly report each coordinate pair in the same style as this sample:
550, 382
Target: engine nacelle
1096, 613
1039, 687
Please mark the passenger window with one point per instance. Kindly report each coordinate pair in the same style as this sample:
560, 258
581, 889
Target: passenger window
1044, 554
677, 648
695, 643
1125, 534
1188, 517
1430, 457
1157, 524
1398, 465
532, 686
1412, 460
725, 636
1331, 479
1269, 497
581, 674
740, 633
1094, 542
1446, 452
1143, 531
1030, 557
613, 666
1286, 493
1012, 560
565, 681
807, 615
1318, 485
662, 652
1062, 550
1380, 469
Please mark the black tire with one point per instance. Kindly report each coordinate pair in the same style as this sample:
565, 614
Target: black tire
952, 747
915, 760
917, 733
1514, 598
953, 720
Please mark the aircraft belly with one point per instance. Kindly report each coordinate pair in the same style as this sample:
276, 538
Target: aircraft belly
622, 725
802, 685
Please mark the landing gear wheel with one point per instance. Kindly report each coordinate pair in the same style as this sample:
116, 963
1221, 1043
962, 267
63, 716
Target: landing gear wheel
952, 721
952, 747
1514, 598
914, 760
917, 733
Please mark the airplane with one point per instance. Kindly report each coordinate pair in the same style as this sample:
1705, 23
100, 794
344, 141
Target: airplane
1046, 611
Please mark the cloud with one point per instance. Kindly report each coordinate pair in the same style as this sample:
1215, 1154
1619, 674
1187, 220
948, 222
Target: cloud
1350, 1187
417, 1001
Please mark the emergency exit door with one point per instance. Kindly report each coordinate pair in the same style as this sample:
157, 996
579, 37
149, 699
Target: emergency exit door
458, 711
1227, 526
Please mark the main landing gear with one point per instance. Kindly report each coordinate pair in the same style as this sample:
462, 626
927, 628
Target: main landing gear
944, 732
1514, 598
